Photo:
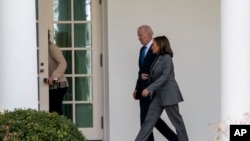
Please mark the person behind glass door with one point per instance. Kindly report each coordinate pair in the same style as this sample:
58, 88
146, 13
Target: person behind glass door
165, 91
145, 36
57, 82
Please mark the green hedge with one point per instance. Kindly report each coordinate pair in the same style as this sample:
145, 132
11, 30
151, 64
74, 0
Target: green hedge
33, 125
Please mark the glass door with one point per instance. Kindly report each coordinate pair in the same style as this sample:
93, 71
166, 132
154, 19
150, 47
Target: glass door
76, 28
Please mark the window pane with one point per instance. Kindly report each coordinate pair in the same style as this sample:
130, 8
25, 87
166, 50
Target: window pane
82, 11
83, 62
82, 34
68, 57
62, 35
69, 94
62, 10
83, 89
84, 115
67, 111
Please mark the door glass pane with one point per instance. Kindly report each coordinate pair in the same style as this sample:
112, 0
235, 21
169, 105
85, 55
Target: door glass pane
83, 89
67, 111
62, 35
84, 115
68, 57
82, 10
82, 34
83, 61
69, 94
62, 10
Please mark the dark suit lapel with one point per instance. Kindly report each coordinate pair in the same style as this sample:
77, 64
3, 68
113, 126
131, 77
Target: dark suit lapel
149, 53
148, 56
140, 64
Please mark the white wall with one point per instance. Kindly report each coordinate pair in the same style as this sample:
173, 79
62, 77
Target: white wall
193, 28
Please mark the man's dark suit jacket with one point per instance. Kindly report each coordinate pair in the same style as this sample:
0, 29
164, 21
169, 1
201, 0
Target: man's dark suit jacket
144, 68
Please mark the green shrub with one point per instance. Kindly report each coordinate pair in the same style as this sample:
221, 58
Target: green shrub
33, 125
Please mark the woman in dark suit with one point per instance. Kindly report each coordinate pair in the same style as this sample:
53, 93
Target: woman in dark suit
165, 90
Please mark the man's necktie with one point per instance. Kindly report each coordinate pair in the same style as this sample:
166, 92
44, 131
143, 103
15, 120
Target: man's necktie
143, 54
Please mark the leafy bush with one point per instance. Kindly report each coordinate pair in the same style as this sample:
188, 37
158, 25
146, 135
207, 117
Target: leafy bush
33, 125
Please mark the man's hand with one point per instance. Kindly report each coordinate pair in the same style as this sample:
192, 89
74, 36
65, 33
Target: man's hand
144, 76
145, 93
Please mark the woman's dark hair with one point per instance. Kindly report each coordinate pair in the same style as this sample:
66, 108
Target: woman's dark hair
164, 45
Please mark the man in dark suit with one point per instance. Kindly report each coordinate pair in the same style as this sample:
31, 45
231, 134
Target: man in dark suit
146, 58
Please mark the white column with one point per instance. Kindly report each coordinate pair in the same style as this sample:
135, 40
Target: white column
18, 55
235, 43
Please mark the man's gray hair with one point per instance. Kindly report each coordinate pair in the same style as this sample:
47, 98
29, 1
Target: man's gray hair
146, 28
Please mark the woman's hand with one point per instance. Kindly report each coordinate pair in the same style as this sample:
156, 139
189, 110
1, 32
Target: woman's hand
144, 76
50, 80
145, 93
